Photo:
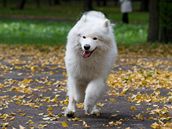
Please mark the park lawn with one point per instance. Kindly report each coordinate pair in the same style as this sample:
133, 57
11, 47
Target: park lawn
33, 32
58, 20
54, 33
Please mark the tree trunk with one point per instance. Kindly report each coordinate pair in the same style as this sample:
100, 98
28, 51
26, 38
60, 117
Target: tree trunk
144, 5
153, 31
88, 5
56, 2
101, 2
22, 4
50, 2
38, 3
104, 2
165, 21
98, 2
4, 3
115, 2
66, 0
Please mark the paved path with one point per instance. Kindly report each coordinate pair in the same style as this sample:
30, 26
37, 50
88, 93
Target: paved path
32, 95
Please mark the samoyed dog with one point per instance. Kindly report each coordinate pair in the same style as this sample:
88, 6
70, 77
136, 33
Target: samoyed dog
90, 54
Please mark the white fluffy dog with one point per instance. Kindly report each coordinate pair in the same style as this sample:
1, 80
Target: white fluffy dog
90, 53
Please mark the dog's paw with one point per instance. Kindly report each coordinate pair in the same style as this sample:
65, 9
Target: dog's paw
95, 111
88, 109
69, 113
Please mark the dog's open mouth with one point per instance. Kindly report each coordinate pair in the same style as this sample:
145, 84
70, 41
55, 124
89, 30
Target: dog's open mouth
87, 54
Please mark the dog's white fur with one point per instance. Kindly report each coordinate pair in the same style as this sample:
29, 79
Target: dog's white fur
87, 76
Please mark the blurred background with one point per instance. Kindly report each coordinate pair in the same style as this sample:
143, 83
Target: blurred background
48, 21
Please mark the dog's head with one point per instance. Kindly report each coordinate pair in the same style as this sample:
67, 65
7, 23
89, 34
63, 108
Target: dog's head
94, 36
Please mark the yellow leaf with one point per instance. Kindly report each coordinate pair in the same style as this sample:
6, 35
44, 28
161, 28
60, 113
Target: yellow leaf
140, 116
55, 99
80, 105
85, 125
133, 108
64, 124
33, 68
168, 125
50, 108
4, 125
100, 104
155, 126
30, 122
1, 85
41, 126
21, 127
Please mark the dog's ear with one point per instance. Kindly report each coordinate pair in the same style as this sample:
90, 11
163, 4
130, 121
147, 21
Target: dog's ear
106, 23
84, 18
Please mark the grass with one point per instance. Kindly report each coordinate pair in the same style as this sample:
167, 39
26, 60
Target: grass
131, 34
14, 31
29, 32
54, 33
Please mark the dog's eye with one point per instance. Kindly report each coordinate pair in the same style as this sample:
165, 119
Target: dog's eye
83, 37
95, 38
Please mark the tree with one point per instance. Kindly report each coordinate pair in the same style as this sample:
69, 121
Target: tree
56, 2
50, 2
153, 21
160, 17
144, 5
4, 3
165, 34
66, 0
53, 2
88, 5
101, 2
38, 3
116, 2
22, 4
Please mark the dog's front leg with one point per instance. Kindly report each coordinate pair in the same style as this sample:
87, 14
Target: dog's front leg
71, 105
94, 91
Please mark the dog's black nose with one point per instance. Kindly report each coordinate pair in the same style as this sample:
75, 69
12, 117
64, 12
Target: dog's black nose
86, 46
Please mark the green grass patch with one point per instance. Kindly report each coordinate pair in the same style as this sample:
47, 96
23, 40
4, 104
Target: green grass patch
54, 33
131, 34
33, 32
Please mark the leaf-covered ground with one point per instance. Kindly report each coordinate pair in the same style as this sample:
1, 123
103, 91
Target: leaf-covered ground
33, 90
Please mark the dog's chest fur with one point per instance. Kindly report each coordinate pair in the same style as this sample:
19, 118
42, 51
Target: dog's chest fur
90, 68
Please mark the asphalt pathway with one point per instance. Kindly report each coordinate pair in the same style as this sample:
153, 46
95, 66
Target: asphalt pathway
33, 95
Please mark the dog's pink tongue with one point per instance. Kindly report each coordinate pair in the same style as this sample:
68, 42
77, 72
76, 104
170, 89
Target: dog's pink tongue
86, 54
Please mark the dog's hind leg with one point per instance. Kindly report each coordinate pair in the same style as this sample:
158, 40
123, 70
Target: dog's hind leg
94, 91
79, 90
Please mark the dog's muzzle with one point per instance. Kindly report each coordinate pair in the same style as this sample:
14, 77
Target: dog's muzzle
87, 53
